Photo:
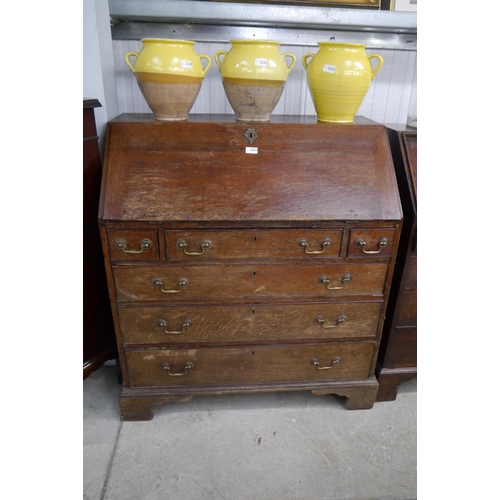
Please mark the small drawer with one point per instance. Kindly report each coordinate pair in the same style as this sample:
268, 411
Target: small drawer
366, 243
253, 244
130, 244
173, 283
223, 366
248, 323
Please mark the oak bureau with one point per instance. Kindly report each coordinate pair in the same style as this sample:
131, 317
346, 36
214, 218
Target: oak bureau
247, 257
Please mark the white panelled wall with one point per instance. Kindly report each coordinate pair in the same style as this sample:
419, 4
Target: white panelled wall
387, 100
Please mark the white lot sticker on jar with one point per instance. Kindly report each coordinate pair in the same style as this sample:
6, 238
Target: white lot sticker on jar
187, 64
260, 62
329, 68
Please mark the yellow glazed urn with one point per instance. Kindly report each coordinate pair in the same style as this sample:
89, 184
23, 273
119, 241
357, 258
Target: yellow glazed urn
253, 74
339, 76
169, 74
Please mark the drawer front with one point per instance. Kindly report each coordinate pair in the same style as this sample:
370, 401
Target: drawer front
209, 366
133, 245
249, 323
403, 349
406, 312
366, 243
178, 283
282, 244
410, 279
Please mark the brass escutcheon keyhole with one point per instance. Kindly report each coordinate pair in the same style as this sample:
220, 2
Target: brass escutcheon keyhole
251, 135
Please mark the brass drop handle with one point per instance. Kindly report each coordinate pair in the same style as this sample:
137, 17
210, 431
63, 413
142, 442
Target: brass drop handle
205, 245
162, 323
335, 361
183, 282
187, 367
304, 244
341, 319
361, 243
144, 245
325, 280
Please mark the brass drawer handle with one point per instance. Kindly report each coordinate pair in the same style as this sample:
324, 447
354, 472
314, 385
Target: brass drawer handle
335, 361
183, 282
304, 244
122, 245
205, 245
361, 243
341, 319
187, 367
325, 280
162, 323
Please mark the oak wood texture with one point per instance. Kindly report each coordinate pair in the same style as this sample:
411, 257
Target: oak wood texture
242, 304
255, 365
99, 344
397, 361
275, 243
252, 323
247, 281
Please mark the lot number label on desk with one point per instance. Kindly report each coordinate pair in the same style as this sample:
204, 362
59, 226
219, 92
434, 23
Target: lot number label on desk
252, 151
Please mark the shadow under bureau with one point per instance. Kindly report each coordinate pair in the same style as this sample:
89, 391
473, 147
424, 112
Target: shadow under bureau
247, 257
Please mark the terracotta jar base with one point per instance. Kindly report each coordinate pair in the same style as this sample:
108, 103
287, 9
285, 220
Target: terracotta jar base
253, 103
170, 101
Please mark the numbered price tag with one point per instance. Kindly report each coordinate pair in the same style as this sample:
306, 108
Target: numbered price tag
260, 62
187, 64
251, 151
329, 68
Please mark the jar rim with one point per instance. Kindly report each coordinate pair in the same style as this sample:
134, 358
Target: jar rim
169, 40
274, 42
347, 44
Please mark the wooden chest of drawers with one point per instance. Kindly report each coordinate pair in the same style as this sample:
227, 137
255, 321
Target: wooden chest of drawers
247, 257
398, 353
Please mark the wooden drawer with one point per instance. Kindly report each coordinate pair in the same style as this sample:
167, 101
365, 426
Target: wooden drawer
177, 283
248, 323
406, 312
253, 244
403, 351
366, 243
131, 244
410, 279
209, 366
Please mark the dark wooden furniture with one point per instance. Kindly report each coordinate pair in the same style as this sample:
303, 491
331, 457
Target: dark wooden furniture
242, 270
398, 354
99, 342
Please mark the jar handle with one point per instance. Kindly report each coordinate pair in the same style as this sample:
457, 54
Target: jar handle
128, 61
217, 55
379, 66
305, 63
294, 60
209, 63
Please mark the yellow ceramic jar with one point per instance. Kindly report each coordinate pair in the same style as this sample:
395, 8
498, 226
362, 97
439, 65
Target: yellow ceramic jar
254, 73
169, 74
339, 76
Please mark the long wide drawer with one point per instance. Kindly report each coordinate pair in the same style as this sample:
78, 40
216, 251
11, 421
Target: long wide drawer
173, 283
255, 244
247, 323
211, 366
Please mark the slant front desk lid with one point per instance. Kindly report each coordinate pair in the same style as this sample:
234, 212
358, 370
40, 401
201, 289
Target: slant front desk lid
284, 171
